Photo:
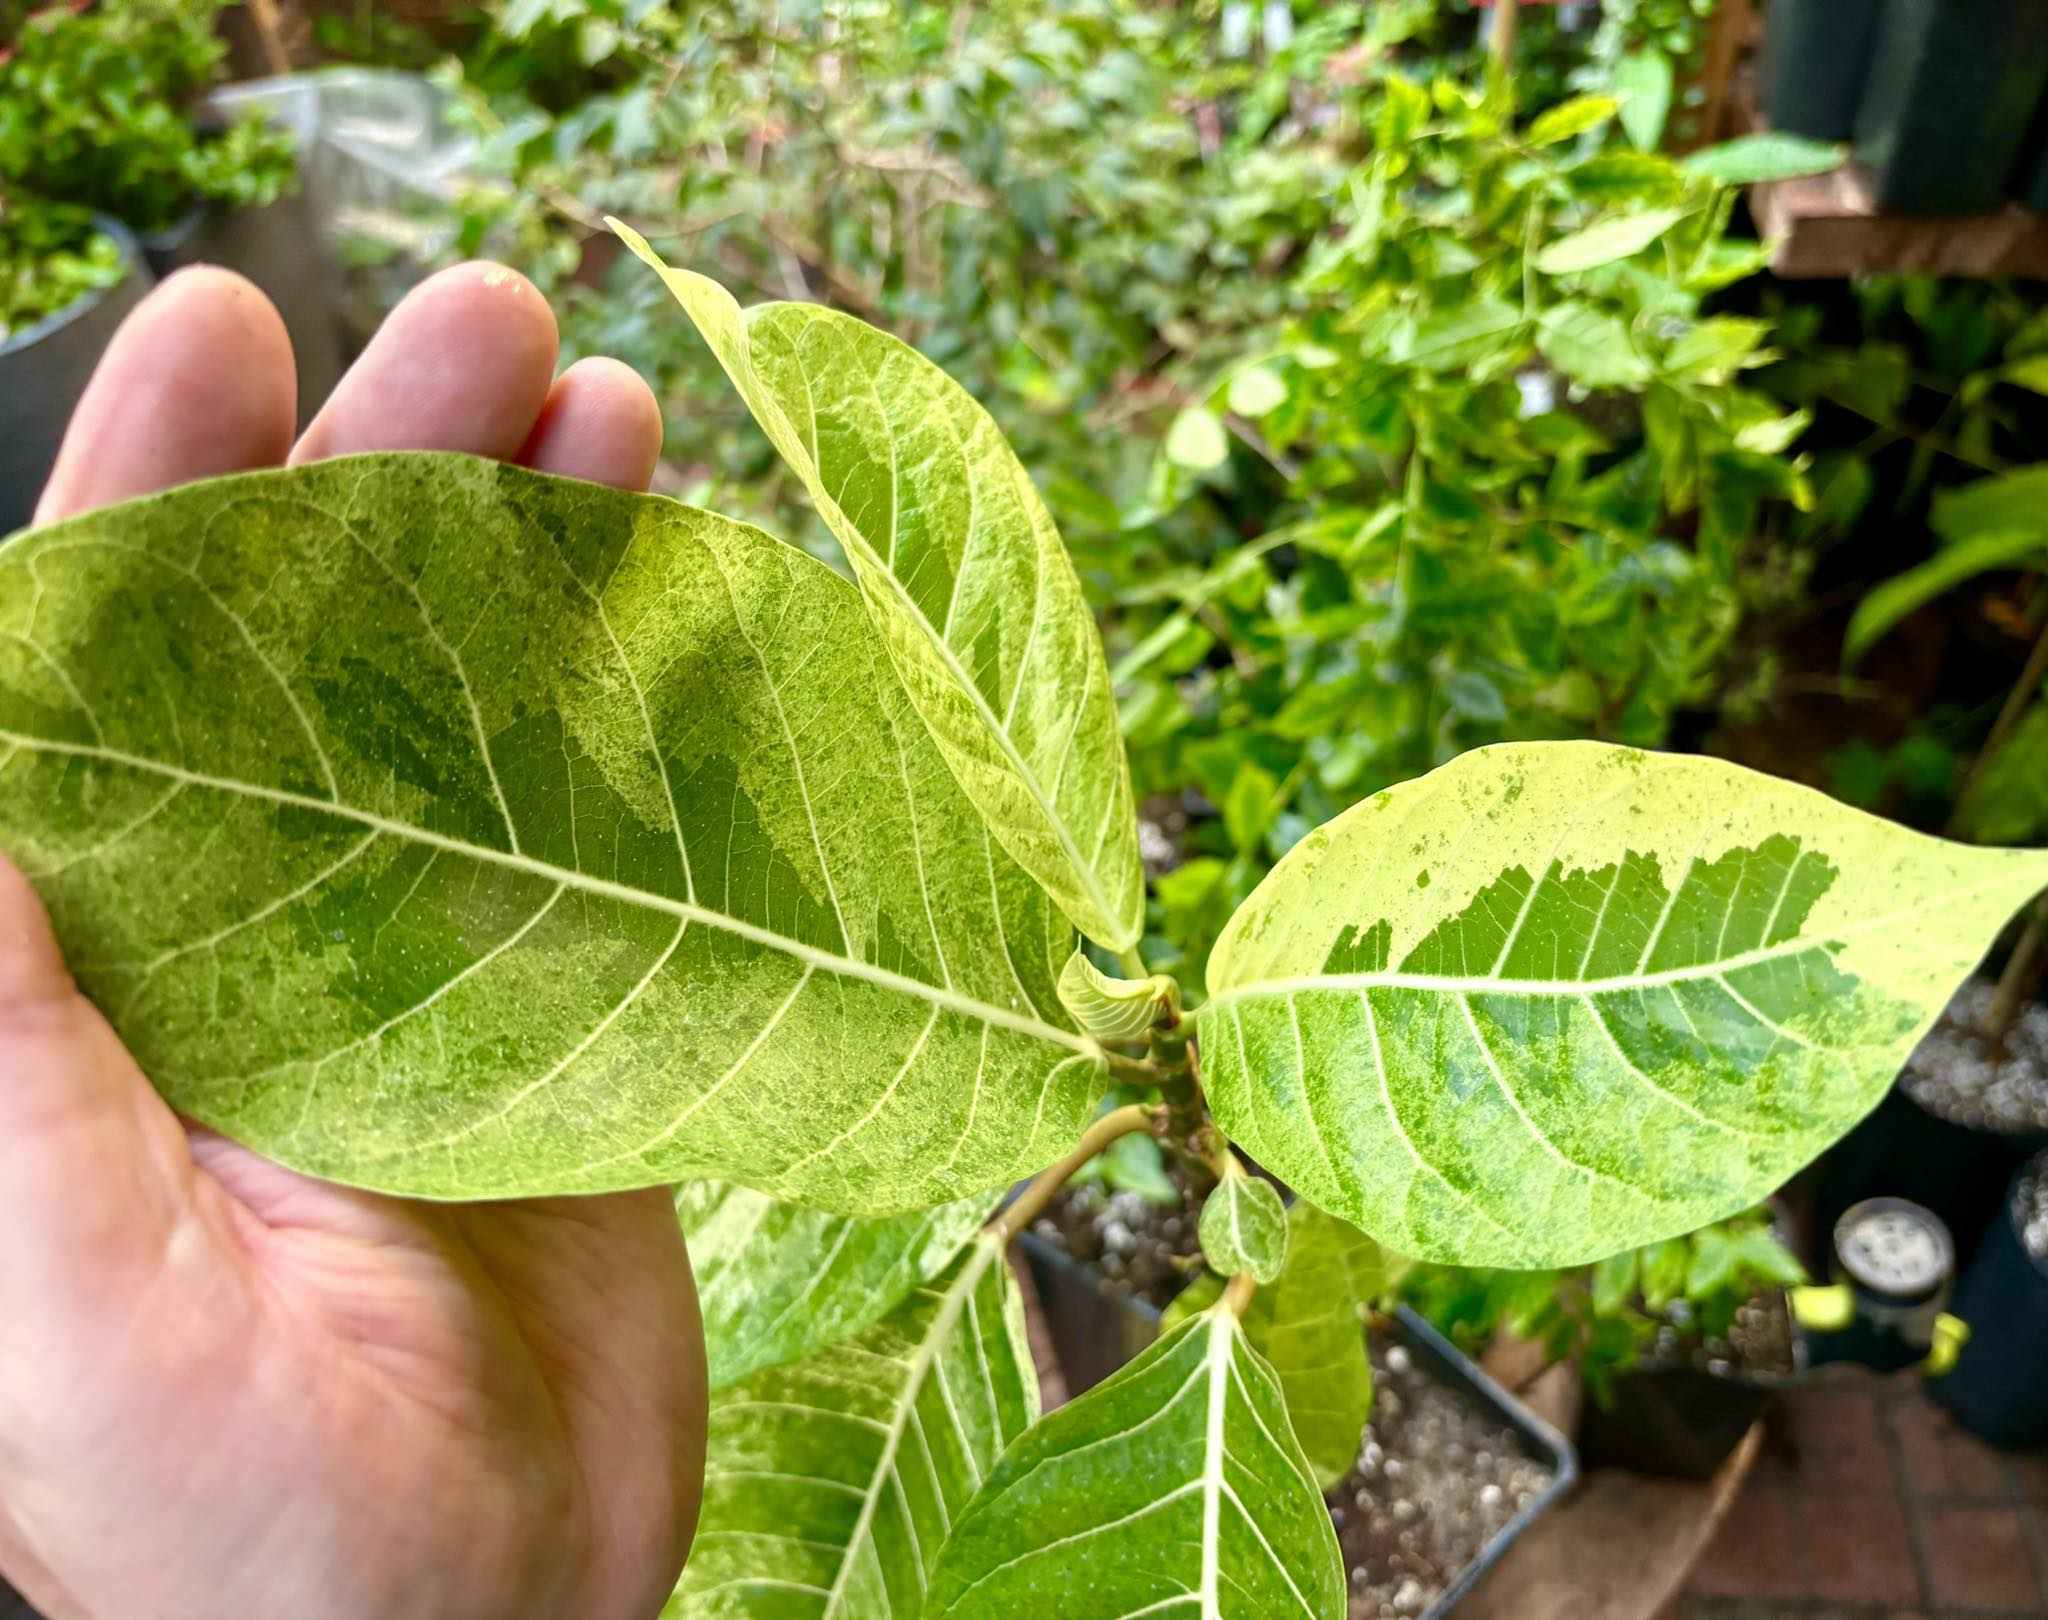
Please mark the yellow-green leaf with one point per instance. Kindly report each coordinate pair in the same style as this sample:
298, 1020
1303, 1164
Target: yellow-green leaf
965, 574
441, 827
1244, 1228
1569, 118
1555, 1000
1115, 1011
1618, 237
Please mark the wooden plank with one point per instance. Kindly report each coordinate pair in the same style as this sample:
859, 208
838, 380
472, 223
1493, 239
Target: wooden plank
1828, 225
1619, 1549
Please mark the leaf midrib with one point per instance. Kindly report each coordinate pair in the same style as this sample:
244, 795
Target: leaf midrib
687, 910
1490, 984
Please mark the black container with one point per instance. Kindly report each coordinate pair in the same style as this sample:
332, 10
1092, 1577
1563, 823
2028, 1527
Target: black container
1998, 1388
43, 370
1095, 1328
1676, 1420
1952, 89
1461, 1373
1816, 62
1900, 1150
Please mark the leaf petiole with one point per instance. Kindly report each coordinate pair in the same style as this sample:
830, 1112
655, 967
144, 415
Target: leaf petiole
1025, 1207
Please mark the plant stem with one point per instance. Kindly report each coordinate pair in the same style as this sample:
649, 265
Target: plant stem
2016, 701
1501, 37
1133, 963
2016, 981
1237, 1293
1025, 1207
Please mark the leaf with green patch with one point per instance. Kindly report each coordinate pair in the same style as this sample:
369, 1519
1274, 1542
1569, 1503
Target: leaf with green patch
1569, 118
1770, 155
964, 572
1244, 1228
776, 1281
444, 828
1555, 1000
831, 1485
1173, 1487
1956, 564
1643, 81
1590, 346
1619, 237
1115, 1011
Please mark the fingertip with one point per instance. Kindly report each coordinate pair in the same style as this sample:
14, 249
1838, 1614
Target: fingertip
600, 423
463, 363
32, 971
198, 381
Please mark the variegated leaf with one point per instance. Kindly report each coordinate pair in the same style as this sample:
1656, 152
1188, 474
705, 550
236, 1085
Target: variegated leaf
1244, 1228
775, 1280
1555, 1000
965, 574
831, 1485
445, 828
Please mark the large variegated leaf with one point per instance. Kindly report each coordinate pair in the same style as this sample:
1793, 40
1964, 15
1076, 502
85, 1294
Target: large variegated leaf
965, 574
1555, 1000
1174, 1487
445, 828
776, 1280
830, 1485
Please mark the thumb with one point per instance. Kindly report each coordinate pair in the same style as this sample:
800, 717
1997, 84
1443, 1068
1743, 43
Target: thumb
94, 1169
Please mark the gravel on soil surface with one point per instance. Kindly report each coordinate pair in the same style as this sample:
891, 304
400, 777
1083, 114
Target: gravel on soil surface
1759, 1341
1139, 1246
2030, 1207
1955, 1075
1436, 1479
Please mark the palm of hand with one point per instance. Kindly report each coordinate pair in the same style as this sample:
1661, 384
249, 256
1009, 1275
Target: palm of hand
226, 1389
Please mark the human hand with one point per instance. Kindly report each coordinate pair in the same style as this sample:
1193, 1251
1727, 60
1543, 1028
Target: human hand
227, 1390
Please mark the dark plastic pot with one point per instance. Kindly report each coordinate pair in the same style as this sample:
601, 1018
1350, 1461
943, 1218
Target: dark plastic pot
1998, 1387
1458, 1370
1816, 62
1095, 1328
1677, 1420
1900, 1150
43, 370
1953, 86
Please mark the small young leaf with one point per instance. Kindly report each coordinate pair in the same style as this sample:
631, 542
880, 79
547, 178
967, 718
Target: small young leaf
1244, 1228
960, 563
1555, 1000
1643, 81
528, 837
1114, 1011
1953, 565
776, 1281
1590, 346
1715, 348
829, 1485
1196, 440
1256, 392
1175, 1485
1606, 241
1569, 118
1749, 159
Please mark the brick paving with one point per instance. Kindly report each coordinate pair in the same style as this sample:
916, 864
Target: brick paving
1868, 1503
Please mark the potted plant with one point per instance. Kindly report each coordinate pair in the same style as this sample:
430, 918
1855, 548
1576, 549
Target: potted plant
105, 107
1997, 1387
830, 914
66, 280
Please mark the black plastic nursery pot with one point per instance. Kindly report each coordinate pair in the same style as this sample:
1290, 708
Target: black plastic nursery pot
43, 370
1816, 62
1998, 1388
1952, 89
1679, 1420
1542, 1458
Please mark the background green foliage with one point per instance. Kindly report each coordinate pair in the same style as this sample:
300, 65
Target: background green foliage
97, 117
